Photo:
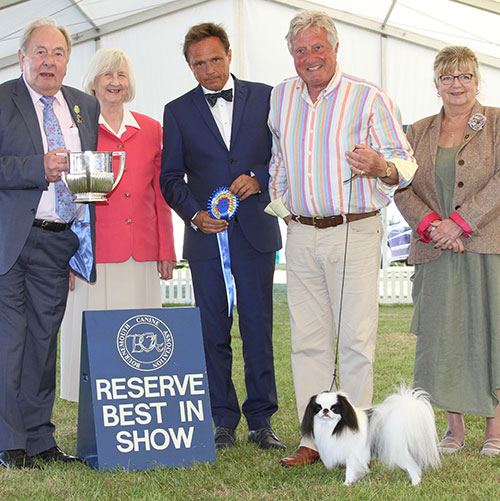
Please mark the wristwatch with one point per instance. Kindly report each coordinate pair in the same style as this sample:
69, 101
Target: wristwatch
388, 170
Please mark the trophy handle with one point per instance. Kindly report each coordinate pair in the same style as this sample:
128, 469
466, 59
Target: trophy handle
120, 154
64, 172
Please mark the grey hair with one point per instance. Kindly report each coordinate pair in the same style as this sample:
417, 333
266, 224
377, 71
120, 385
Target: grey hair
453, 58
109, 59
312, 19
43, 22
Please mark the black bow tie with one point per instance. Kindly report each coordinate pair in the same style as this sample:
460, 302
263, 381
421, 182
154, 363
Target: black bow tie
225, 94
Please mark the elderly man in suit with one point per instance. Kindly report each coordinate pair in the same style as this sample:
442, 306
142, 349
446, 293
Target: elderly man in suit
40, 232
211, 141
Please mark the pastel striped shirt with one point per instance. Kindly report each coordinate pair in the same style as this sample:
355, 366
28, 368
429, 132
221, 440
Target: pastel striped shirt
308, 165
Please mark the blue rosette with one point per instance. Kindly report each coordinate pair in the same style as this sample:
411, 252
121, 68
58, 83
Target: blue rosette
223, 205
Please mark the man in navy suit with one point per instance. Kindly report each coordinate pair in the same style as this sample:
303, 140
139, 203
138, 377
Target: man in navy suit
36, 243
207, 146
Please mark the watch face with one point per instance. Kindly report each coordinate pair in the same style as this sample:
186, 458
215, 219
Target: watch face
388, 171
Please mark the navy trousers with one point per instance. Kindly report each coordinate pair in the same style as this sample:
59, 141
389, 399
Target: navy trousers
33, 297
253, 274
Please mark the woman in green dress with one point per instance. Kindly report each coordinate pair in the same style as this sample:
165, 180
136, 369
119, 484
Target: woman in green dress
453, 207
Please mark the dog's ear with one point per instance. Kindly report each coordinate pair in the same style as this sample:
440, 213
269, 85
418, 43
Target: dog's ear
307, 425
346, 410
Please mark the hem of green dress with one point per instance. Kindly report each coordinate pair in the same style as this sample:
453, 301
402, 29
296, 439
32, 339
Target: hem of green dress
471, 412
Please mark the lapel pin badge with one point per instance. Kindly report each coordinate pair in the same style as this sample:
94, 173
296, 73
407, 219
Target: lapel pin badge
79, 118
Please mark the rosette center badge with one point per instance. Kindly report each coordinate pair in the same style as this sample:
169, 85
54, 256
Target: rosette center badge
222, 204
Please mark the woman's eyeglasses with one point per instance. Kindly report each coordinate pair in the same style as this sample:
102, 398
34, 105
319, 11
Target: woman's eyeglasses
464, 78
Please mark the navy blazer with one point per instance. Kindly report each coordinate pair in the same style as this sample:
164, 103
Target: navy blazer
22, 174
193, 146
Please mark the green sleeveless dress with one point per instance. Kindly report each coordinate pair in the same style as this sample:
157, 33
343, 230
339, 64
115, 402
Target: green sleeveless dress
457, 319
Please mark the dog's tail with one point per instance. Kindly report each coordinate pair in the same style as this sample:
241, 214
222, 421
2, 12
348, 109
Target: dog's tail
404, 425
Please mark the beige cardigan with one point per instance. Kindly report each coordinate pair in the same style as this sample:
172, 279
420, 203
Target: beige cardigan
477, 187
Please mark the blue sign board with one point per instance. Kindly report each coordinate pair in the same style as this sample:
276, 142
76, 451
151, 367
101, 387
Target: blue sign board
144, 400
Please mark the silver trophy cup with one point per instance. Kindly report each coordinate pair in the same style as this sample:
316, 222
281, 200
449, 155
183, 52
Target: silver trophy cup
90, 177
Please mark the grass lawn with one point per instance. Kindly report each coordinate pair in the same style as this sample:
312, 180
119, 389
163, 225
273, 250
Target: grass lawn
246, 472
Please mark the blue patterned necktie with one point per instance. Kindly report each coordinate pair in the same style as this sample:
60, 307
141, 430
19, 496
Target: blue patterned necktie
65, 208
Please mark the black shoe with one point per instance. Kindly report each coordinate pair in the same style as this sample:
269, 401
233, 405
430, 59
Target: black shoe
224, 437
56, 454
265, 438
16, 458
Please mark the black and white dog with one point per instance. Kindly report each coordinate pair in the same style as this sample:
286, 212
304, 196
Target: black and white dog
399, 432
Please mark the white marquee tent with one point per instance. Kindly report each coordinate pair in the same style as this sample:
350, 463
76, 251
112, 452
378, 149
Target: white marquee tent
389, 42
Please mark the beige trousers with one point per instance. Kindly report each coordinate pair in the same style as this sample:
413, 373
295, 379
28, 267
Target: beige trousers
315, 265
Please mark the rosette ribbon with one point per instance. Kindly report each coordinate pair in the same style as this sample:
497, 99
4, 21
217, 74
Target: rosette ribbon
223, 205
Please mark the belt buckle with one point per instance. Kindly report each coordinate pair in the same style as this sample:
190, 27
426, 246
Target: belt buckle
44, 224
317, 218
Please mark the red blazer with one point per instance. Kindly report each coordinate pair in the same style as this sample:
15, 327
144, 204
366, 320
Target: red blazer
136, 221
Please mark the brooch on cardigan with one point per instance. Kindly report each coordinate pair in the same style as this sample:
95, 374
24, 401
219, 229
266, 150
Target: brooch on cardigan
476, 122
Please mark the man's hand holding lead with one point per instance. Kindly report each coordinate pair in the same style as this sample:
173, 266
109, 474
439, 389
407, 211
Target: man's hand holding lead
365, 161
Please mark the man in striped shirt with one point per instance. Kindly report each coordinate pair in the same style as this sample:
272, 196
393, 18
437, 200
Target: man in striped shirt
339, 152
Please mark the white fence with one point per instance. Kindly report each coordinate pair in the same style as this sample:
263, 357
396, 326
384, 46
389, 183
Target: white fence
179, 290
394, 286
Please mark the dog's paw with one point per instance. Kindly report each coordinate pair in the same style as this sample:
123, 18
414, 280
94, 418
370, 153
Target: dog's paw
352, 477
355, 472
415, 479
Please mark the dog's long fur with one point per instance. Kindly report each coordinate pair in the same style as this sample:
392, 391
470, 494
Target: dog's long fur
399, 432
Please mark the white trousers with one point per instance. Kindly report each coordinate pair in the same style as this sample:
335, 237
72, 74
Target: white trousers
315, 266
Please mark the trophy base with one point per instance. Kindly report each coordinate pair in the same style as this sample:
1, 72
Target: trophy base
89, 197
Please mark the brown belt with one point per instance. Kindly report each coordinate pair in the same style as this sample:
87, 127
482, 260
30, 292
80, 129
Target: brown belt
328, 221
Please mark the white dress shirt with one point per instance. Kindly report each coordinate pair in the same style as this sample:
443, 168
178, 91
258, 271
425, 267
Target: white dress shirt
223, 112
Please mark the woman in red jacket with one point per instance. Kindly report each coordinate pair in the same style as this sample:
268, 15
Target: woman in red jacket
134, 238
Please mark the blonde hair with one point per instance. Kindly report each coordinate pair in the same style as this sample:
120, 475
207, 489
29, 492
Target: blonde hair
312, 19
454, 58
109, 59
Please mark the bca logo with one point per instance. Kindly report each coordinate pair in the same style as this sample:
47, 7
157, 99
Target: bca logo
145, 343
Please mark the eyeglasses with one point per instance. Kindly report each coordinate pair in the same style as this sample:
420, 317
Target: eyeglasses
464, 78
